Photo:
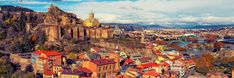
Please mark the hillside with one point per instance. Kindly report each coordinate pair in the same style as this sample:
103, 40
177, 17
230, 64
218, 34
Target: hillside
14, 8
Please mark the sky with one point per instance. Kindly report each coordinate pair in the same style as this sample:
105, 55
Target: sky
162, 12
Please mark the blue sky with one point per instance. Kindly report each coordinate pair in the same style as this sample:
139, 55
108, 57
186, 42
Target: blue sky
163, 12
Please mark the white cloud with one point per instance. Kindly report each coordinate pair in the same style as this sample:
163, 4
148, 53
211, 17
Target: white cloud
214, 19
188, 19
153, 11
156, 11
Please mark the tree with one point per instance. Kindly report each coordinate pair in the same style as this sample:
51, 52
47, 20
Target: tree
41, 37
29, 68
21, 21
6, 16
6, 68
204, 63
23, 74
3, 35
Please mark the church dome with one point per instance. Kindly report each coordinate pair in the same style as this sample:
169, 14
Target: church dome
91, 21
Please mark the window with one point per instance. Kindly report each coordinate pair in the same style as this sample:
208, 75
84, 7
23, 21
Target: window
99, 76
113, 67
103, 68
110, 67
99, 69
104, 75
106, 67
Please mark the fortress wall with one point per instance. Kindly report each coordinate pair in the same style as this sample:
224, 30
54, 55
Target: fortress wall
98, 33
104, 33
53, 33
75, 33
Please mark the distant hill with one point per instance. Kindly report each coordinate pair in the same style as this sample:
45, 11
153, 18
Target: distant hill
137, 26
130, 27
14, 8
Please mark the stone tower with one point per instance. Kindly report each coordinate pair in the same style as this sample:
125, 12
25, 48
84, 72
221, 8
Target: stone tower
28, 27
52, 32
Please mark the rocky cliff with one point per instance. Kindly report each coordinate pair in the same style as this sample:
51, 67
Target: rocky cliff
59, 17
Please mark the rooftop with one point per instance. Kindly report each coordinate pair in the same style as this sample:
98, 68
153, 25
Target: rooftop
48, 53
143, 66
145, 59
165, 64
48, 73
103, 62
128, 61
152, 73
77, 71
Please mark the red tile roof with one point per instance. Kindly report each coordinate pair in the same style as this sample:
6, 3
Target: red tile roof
49, 73
143, 66
86, 70
157, 52
38, 52
165, 64
128, 61
172, 61
61, 70
52, 53
48, 53
189, 61
103, 62
152, 73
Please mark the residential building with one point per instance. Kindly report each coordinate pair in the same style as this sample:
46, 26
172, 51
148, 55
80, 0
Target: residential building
75, 73
100, 67
43, 61
151, 74
149, 66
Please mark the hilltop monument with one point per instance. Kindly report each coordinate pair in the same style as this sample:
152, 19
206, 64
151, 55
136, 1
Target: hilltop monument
58, 24
91, 21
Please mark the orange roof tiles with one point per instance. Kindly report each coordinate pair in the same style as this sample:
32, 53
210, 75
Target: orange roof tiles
152, 73
48, 53
52, 53
128, 61
122, 76
189, 61
165, 64
38, 52
143, 66
85, 70
48, 73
